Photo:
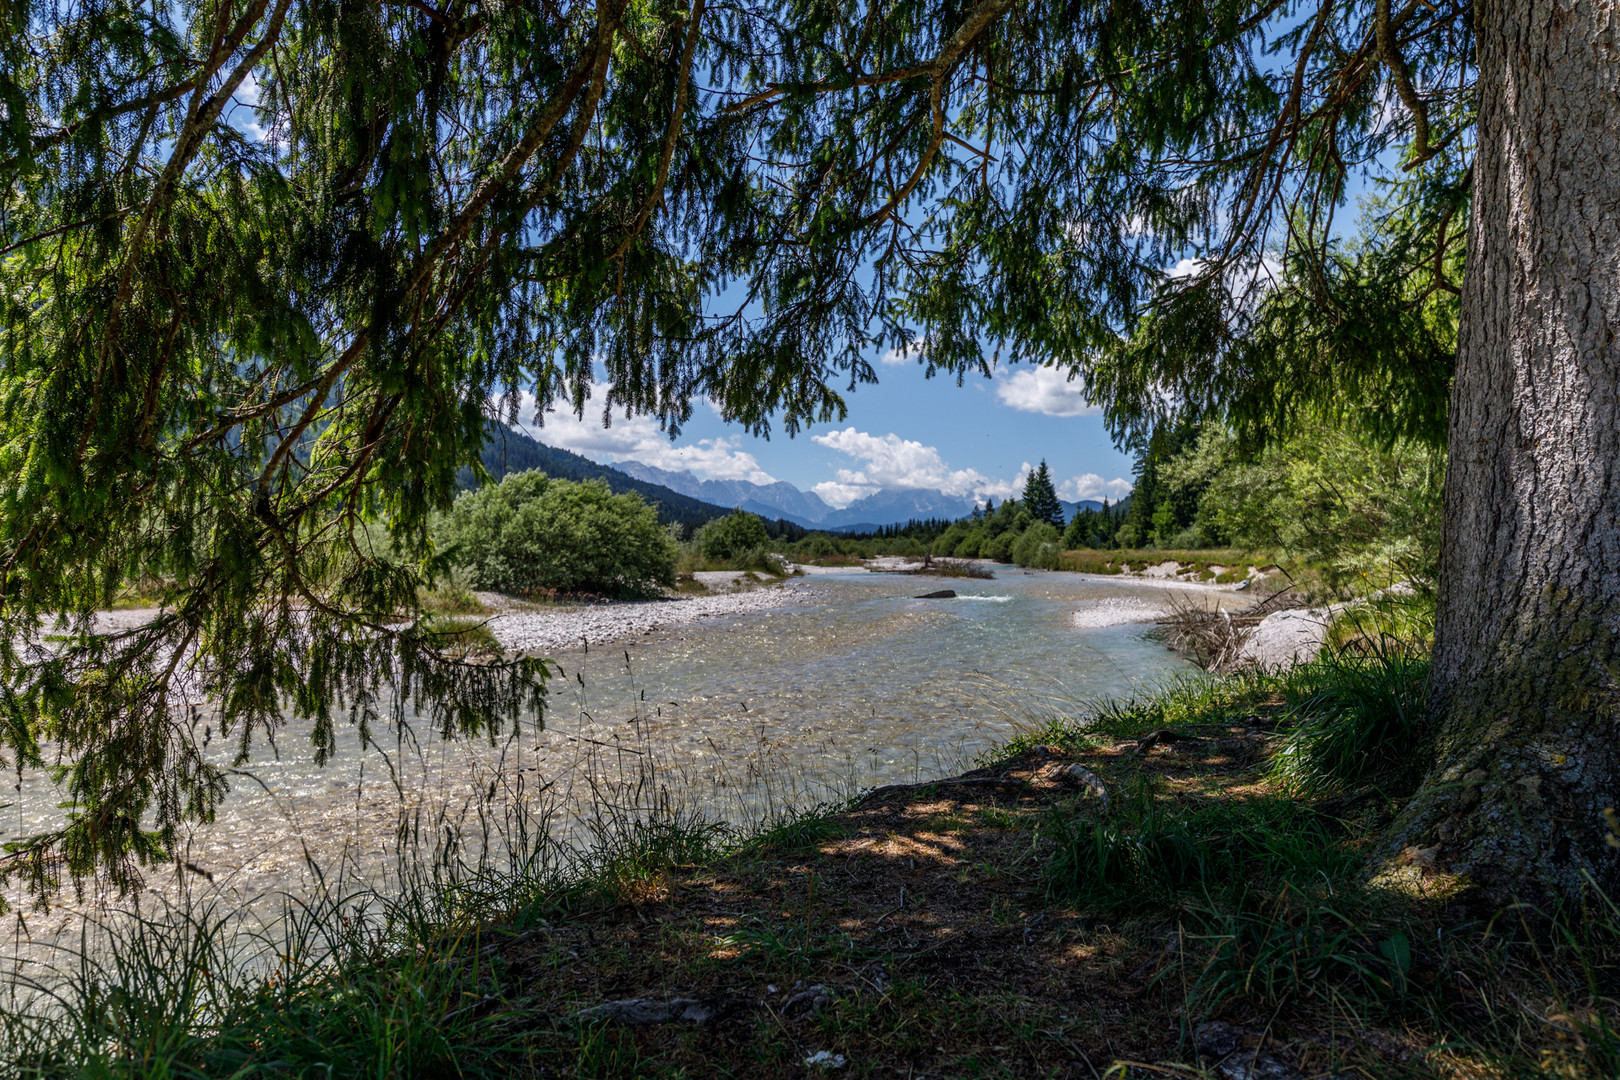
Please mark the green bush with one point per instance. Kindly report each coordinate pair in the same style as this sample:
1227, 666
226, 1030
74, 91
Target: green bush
969, 548
737, 534
530, 534
819, 547
999, 547
945, 544
1040, 545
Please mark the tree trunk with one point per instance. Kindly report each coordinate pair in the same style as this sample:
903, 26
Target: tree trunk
1527, 650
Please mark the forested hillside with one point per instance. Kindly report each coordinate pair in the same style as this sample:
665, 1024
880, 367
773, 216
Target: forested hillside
510, 451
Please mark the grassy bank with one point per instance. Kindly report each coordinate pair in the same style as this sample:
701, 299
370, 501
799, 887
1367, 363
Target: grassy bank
1154, 888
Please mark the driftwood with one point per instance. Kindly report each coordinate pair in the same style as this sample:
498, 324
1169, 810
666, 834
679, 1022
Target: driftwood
1214, 638
1154, 738
1083, 778
932, 567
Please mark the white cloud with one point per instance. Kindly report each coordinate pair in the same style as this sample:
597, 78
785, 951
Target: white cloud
243, 110
1240, 281
889, 462
639, 438
903, 355
1091, 486
1044, 390
849, 487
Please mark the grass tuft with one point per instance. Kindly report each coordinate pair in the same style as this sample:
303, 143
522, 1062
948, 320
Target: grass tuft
1143, 850
1361, 722
795, 831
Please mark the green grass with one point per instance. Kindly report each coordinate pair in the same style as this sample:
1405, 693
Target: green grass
1193, 699
451, 600
1271, 899
1385, 623
794, 831
687, 585
1362, 723
1144, 850
461, 635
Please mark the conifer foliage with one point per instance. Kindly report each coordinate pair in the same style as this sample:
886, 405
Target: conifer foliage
270, 266
1040, 497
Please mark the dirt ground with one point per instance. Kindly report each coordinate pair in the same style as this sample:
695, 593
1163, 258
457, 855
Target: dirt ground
912, 936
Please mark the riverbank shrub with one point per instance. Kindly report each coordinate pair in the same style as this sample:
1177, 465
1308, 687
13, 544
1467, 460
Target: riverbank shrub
1039, 546
738, 535
1364, 511
531, 535
999, 547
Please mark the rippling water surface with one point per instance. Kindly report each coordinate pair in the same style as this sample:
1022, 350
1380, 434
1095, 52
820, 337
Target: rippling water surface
859, 684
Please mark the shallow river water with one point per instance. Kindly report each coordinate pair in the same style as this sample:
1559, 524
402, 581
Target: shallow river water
858, 683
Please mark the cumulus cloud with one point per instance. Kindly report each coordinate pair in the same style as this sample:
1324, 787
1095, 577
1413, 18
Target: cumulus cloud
639, 438
1044, 390
888, 462
1091, 486
906, 355
848, 488
1240, 281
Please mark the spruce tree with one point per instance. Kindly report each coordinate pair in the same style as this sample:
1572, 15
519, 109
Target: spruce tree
1040, 497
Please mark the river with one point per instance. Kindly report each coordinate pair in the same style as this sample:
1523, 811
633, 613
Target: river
857, 683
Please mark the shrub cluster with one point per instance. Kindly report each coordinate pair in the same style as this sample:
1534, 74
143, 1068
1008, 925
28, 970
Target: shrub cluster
531, 535
736, 535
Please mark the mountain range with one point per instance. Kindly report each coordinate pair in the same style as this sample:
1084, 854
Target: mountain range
681, 496
806, 508
507, 450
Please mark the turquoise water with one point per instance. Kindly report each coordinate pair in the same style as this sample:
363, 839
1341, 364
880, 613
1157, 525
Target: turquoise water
868, 685
859, 684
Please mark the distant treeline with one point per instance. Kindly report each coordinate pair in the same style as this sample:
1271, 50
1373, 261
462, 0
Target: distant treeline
1355, 508
1336, 499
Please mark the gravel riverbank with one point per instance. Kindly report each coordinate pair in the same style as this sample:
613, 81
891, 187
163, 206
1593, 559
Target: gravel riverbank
547, 631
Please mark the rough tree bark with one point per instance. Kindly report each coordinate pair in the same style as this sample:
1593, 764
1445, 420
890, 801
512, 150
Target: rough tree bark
1527, 652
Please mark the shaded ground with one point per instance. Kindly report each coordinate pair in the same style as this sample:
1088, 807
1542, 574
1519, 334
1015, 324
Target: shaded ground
907, 935
914, 935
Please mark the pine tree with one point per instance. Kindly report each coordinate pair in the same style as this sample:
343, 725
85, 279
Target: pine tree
1040, 497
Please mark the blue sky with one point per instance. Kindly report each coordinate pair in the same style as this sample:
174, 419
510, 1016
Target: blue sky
903, 432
